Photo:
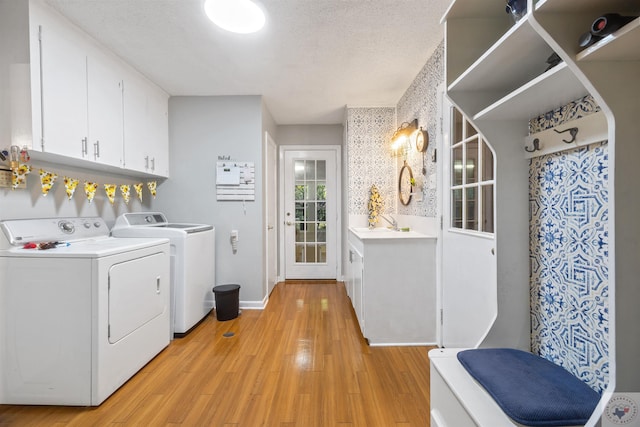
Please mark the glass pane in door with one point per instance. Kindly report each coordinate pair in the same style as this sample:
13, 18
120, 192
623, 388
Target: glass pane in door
310, 211
472, 162
487, 208
487, 162
456, 208
472, 209
456, 159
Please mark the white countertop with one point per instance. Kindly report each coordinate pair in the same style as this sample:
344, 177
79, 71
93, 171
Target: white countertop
365, 233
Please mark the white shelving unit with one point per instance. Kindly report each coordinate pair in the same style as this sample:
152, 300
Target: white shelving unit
495, 74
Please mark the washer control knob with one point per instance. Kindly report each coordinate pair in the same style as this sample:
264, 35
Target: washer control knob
97, 224
66, 227
148, 219
86, 225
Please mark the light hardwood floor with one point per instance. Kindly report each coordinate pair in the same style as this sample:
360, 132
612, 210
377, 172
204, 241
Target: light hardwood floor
300, 362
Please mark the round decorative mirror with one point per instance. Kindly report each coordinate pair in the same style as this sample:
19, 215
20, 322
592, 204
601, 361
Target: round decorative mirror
404, 184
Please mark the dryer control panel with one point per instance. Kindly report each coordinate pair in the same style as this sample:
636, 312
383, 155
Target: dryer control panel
19, 231
140, 218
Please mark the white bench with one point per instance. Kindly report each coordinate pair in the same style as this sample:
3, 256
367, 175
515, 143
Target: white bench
457, 400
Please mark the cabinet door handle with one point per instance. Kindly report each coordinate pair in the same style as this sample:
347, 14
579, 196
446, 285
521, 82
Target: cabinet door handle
146, 162
153, 164
96, 149
84, 146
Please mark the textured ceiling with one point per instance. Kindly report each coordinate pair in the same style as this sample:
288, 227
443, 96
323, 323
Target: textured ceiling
312, 58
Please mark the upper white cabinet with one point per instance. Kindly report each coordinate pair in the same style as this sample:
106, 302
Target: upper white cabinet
88, 104
146, 136
105, 113
62, 74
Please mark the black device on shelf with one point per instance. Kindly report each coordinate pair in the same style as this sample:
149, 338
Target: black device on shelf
516, 8
604, 25
553, 60
609, 23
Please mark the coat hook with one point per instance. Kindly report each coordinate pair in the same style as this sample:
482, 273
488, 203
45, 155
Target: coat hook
536, 146
572, 131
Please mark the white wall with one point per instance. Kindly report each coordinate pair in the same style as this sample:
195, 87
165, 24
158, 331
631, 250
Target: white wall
268, 123
200, 130
310, 135
14, 45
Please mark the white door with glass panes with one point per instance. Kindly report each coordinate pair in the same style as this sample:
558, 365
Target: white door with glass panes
310, 214
469, 282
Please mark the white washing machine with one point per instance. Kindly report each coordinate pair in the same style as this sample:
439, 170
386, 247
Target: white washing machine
192, 263
79, 319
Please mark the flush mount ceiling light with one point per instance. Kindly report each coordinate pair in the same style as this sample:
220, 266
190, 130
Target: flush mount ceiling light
237, 16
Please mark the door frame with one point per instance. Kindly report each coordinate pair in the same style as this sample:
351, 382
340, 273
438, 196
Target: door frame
442, 171
337, 149
270, 202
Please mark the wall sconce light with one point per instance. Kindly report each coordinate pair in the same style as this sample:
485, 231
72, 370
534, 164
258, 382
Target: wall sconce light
402, 136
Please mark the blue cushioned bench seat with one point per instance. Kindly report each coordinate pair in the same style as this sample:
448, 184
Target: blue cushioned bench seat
530, 389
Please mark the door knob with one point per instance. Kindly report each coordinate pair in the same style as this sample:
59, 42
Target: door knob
289, 223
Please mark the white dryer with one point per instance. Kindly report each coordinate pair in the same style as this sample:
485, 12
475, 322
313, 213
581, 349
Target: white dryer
79, 319
192, 263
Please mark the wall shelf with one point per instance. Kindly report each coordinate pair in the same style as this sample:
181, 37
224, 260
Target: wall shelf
518, 56
555, 87
588, 6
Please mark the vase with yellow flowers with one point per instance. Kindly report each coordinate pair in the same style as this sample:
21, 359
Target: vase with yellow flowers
375, 205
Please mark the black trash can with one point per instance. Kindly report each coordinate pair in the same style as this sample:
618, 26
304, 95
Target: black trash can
227, 301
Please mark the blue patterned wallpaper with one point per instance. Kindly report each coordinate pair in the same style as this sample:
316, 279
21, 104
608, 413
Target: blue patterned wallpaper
369, 158
368, 147
569, 209
572, 111
421, 100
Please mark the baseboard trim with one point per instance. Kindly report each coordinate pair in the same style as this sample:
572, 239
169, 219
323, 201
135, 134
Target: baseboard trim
404, 344
253, 305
